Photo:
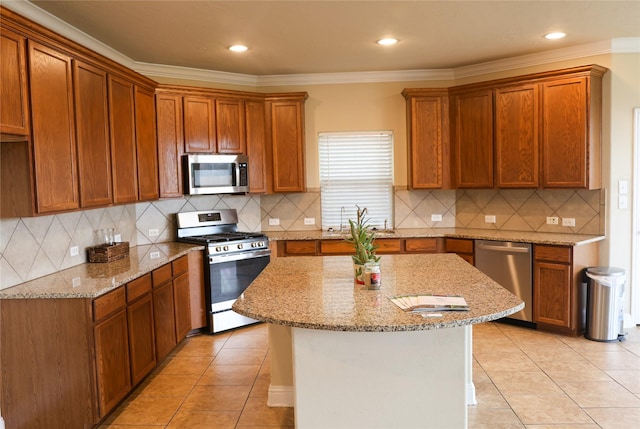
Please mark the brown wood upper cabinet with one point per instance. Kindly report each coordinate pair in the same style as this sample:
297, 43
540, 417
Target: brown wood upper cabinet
256, 145
571, 131
170, 143
516, 136
92, 131
230, 126
285, 122
535, 131
199, 124
428, 134
14, 108
54, 140
472, 143
146, 144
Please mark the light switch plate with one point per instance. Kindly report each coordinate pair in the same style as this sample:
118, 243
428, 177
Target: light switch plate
73, 251
623, 202
490, 219
309, 220
154, 232
568, 221
623, 187
436, 218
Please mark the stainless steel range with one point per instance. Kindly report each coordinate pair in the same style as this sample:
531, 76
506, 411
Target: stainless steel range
232, 260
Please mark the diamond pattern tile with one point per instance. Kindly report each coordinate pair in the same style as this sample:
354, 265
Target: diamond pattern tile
47, 239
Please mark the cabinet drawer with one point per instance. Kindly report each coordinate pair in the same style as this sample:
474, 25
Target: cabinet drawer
300, 247
421, 245
109, 304
388, 245
138, 287
180, 265
458, 245
552, 253
161, 275
335, 247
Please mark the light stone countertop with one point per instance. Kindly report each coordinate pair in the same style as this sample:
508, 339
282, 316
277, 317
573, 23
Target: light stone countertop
318, 292
558, 239
91, 280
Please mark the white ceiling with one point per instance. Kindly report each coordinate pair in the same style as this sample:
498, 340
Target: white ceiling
300, 37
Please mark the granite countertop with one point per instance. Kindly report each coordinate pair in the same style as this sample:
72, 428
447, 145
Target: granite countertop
91, 280
559, 239
318, 292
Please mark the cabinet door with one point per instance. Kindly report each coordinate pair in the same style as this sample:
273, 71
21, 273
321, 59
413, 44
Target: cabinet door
426, 142
112, 361
256, 146
230, 133
123, 141
92, 130
146, 147
473, 142
287, 142
564, 135
199, 126
54, 140
516, 136
14, 110
170, 144
182, 305
552, 293
164, 319
141, 337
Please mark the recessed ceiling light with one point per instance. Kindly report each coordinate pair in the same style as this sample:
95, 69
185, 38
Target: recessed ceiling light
387, 41
554, 36
238, 48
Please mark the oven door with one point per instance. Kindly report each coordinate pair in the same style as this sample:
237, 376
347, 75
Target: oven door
228, 276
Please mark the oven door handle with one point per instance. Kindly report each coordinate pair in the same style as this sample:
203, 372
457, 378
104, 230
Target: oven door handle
217, 259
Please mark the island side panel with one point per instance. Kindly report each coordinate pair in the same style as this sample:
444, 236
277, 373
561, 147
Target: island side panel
281, 387
380, 379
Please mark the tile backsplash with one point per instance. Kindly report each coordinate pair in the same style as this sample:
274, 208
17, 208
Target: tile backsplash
34, 247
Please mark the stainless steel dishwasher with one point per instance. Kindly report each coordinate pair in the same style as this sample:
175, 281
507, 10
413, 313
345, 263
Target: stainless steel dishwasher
509, 264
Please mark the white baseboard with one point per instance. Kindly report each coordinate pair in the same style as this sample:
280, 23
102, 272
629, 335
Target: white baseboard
279, 396
471, 394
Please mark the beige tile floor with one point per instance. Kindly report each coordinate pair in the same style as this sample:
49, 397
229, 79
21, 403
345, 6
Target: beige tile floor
523, 378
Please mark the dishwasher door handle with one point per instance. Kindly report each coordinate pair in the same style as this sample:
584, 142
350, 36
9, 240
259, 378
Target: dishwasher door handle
504, 249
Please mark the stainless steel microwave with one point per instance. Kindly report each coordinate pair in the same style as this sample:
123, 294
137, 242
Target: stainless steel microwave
215, 174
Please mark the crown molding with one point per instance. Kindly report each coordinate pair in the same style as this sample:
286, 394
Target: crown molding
44, 18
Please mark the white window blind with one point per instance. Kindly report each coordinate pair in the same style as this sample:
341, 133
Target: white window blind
356, 169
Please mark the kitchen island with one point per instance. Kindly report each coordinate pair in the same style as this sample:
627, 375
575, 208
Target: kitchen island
358, 359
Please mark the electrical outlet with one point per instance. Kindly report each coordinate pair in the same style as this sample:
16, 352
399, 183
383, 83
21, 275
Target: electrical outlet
154, 232
274, 221
436, 218
73, 251
117, 238
568, 221
309, 220
154, 255
75, 282
552, 220
490, 219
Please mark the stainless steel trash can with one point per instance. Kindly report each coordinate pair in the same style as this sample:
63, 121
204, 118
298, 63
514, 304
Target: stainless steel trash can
605, 291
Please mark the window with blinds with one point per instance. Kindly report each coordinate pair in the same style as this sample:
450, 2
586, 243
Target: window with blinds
356, 169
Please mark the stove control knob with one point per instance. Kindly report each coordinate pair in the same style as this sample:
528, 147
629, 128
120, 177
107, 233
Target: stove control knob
261, 243
218, 248
240, 246
225, 248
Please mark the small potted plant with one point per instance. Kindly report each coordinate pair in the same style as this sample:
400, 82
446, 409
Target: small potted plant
362, 238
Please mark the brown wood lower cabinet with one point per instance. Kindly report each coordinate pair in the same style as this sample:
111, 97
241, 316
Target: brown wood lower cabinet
66, 363
559, 297
463, 247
